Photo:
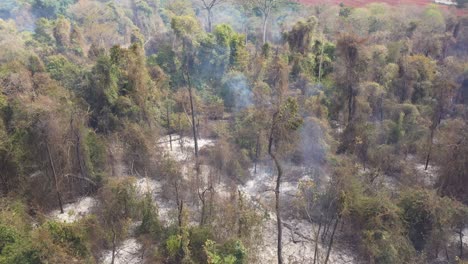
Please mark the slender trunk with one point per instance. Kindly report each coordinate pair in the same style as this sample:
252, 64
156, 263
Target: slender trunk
210, 19
51, 162
321, 62
4, 177
202, 218
114, 246
277, 189
168, 116
257, 147
435, 123
180, 255
198, 128
240, 220
194, 127
326, 228
264, 28
350, 103
5, 184
316, 253
192, 108
446, 254
81, 160
246, 32
277, 207
180, 205
461, 242
429, 152
331, 239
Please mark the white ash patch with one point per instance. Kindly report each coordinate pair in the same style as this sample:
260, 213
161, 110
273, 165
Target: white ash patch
155, 189
429, 176
183, 148
455, 239
128, 252
298, 235
75, 211
298, 244
148, 185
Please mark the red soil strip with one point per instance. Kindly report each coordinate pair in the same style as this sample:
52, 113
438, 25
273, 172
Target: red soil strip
360, 3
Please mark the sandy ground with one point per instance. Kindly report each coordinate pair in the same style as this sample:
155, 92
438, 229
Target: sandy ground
298, 235
74, 211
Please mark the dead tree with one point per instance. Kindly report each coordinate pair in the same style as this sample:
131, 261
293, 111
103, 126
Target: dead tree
54, 173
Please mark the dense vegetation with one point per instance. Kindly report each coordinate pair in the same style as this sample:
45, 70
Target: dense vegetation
369, 104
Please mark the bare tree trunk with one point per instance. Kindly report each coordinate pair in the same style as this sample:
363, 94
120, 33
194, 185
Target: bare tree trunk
203, 201
327, 228
246, 32
79, 153
114, 245
331, 239
321, 62
350, 103
51, 162
240, 220
316, 253
264, 28
180, 205
460, 234
192, 108
257, 147
428, 157
277, 189
194, 128
4, 177
210, 19
168, 117
435, 123
446, 254
277, 207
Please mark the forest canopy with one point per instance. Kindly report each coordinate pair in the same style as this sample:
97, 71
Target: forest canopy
233, 132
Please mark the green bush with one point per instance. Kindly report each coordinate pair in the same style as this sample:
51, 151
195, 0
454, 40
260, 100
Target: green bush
95, 150
70, 236
150, 222
15, 248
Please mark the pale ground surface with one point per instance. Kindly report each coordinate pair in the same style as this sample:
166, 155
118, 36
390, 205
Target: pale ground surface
128, 252
298, 235
74, 211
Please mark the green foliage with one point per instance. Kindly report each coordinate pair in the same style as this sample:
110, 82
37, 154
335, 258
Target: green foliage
143, 6
150, 222
43, 31
16, 249
173, 245
216, 257
51, 8
95, 151
70, 236
198, 237
61, 69
345, 11
186, 27
15, 244
378, 219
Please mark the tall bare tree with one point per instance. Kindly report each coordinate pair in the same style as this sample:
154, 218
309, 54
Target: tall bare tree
208, 5
266, 8
285, 120
187, 29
